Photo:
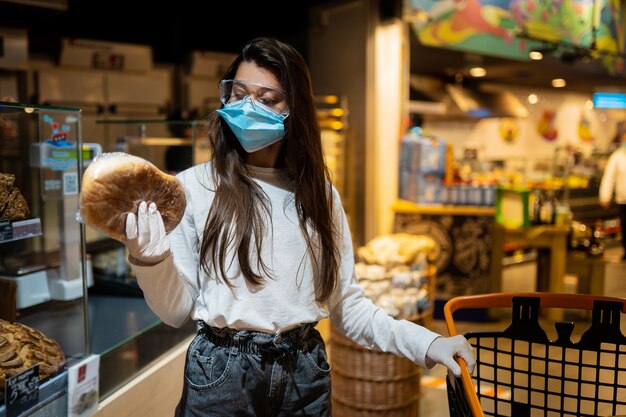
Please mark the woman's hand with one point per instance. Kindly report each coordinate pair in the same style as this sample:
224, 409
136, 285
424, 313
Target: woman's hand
146, 239
444, 350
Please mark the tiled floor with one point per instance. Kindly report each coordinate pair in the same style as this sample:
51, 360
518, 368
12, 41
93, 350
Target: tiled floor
434, 399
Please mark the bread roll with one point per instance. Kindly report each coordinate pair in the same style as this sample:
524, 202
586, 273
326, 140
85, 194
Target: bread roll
115, 183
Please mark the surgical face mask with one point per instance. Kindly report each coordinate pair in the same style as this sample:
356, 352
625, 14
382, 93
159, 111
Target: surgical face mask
255, 125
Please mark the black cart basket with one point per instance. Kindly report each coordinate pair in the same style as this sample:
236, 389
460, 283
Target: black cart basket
536, 367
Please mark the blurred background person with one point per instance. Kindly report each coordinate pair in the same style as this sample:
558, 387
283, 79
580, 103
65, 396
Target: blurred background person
613, 184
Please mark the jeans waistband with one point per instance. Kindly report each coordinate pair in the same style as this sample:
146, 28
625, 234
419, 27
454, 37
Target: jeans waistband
254, 342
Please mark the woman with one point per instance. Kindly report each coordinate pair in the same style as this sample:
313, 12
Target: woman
263, 253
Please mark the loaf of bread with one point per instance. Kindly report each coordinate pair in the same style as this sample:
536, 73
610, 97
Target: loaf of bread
395, 249
13, 205
22, 347
115, 183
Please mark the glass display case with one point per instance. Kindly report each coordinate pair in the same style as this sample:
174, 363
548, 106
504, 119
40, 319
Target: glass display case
43, 278
48, 258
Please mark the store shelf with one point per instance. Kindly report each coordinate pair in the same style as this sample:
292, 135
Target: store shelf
11, 230
408, 207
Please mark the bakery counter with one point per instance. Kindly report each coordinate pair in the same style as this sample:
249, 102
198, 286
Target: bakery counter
127, 335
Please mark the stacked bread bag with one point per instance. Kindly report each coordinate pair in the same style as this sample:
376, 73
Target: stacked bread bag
394, 271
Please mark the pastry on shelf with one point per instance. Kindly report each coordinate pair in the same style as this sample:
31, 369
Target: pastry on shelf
13, 205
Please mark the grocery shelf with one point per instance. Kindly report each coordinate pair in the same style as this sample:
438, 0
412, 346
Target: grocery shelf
408, 207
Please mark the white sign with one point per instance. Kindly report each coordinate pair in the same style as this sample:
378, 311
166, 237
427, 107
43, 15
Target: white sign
83, 387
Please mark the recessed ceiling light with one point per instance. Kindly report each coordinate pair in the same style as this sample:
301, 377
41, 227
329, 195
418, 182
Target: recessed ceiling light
533, 99
478, 72
535, 55
589, 104
558, 83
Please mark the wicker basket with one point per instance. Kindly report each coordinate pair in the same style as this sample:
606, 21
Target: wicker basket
368, 383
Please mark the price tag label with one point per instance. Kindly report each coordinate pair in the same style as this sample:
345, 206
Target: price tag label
6, 230
22, 392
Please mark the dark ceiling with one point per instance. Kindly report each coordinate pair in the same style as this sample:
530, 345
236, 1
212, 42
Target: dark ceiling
173, 29
185, 25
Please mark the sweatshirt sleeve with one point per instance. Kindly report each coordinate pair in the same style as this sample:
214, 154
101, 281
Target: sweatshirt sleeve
607, 184
359, 319
170, 287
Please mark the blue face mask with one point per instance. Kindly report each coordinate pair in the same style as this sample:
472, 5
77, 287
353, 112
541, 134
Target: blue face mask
255, 125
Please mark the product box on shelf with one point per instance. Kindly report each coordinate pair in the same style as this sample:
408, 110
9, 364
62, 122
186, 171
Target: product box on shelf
432, 156
423, 155
512, 208
421, 189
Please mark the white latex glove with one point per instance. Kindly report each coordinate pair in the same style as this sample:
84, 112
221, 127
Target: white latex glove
444, 350
146, 239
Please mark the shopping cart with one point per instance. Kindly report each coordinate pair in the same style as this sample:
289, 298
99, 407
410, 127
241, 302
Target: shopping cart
535, 367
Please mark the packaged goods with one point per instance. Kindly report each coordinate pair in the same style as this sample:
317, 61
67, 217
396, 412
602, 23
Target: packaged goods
394, 272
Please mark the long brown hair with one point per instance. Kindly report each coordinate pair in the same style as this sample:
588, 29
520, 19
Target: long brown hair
235, 219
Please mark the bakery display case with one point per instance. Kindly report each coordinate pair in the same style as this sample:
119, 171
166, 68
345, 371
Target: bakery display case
43, 280
47, 262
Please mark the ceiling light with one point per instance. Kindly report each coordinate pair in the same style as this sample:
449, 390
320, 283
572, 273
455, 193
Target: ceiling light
478, 72
533, 99
535, 55
589, 104
558, 83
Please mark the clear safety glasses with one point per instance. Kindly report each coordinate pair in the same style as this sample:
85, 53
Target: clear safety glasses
232, 91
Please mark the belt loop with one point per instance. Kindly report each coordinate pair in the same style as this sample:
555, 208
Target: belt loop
278, 339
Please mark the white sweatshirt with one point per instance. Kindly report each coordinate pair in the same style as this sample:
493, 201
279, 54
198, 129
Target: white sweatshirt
614, 178
177, 288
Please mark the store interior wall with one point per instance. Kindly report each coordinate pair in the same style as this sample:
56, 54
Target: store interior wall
570, 109
337, 55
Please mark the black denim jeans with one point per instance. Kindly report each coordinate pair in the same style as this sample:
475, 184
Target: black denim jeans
243, 373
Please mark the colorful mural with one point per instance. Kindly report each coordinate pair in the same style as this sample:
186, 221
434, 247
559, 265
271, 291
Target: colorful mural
511, 28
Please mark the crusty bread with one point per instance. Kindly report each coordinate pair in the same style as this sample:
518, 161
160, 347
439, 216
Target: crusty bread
22, 347
13, 205
115, 183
